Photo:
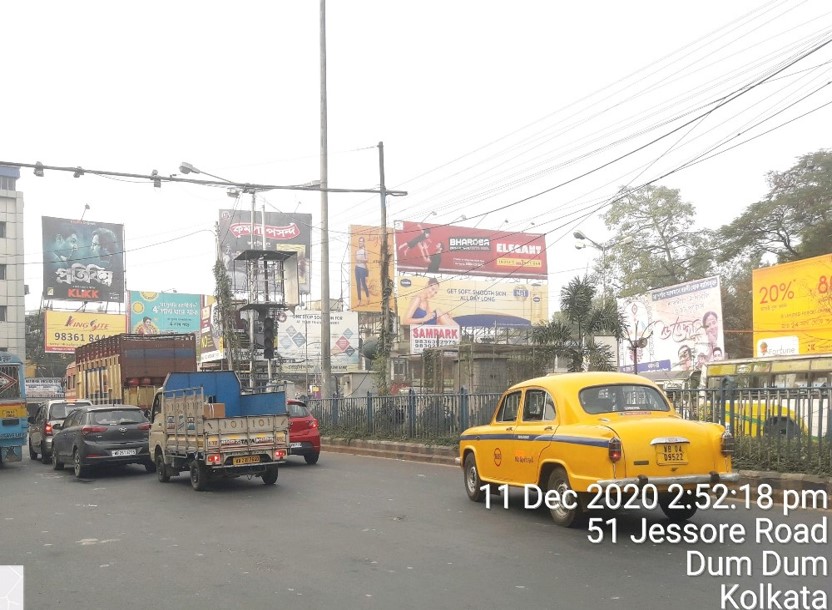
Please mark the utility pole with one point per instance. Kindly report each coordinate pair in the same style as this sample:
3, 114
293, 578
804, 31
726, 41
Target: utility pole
385, 266
326, 363
252, 294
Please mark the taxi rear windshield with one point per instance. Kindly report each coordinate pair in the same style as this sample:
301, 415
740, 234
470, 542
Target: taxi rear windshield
621, 398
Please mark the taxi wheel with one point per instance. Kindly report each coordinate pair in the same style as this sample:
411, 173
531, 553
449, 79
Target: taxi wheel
683, 512
566, 513
473, 483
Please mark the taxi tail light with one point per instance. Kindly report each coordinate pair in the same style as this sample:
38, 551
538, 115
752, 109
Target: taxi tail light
47, 430
213, 458
615, 449
93, 430
727, 443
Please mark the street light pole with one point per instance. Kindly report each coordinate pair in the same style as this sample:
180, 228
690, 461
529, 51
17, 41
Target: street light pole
326, 363
385, 261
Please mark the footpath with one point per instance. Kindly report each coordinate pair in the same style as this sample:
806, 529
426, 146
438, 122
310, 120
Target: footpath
441, 454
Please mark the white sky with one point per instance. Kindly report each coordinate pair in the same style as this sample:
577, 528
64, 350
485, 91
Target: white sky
479, 105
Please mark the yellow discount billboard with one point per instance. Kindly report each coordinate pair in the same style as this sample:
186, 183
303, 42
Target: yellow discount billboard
793, 307
66, 330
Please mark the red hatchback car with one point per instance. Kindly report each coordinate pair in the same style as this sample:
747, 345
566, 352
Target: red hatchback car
304, 435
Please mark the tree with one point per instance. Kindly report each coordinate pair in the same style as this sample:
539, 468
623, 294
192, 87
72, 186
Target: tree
666, 248
45, 364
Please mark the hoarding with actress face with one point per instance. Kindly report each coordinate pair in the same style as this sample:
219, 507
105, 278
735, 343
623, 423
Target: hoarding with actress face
164, 312
83, 260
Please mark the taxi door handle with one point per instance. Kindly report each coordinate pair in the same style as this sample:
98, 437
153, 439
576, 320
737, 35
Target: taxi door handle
549, 428
510, 428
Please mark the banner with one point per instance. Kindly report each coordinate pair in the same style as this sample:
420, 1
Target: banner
438, 249
298, 342
210, 338
66, 330
676, 328
83, 260
470, 303
152, 313
365, 268
285, 232
793, 307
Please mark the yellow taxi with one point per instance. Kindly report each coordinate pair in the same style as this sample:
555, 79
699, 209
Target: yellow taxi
581, 439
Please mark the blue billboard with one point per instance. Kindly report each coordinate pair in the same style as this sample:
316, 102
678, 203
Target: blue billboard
153, 313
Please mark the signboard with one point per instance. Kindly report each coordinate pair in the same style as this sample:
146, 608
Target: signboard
210, 340
152, 313
298, 342
285, 232
793, 307
66, 330
437, 249
45, 387
83, 260
429, 336
676, 328
470, 303
365, 266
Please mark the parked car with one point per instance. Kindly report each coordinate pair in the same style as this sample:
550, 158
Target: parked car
594, 438
102, 434
304, 434
41, 426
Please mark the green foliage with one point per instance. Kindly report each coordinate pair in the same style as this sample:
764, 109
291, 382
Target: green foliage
779, 455
227, 312
46, 365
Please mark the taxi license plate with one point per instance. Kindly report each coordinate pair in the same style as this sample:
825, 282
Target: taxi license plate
246, 459
671, 453
123, 452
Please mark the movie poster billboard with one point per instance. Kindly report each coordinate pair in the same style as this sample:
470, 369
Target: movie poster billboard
365, 267
284, 232
678, 328
152, 313
83, 260
210, 338
470, 303
793, 307
66, 330
449, 249
298, 342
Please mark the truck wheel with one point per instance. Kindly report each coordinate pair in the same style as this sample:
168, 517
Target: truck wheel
56, 463
199, 476
162, 470
45, 458
80, 469
312, 458
682, 513
270, 476
560, 509
33, 455
150, 466
473, 483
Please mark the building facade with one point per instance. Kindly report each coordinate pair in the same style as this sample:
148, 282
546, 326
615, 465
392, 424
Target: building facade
12, 288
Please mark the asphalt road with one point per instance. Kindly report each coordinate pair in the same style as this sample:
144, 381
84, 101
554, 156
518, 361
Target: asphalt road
351, 532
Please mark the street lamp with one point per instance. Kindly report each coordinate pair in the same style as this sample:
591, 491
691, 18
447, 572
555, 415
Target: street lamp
582, 243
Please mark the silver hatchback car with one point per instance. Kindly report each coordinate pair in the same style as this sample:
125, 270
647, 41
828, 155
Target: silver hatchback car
42, 426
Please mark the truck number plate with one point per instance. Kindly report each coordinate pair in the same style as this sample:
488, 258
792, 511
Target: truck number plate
120, 452
246, 459
295, 445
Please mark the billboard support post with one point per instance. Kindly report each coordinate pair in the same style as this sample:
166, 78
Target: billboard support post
385, 258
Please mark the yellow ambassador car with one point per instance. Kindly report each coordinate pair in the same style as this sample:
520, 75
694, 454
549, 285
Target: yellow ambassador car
585, 438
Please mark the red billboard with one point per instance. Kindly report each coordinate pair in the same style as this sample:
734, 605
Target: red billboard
437, 249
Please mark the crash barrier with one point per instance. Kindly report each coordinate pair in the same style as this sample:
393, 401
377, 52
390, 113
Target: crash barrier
775, 429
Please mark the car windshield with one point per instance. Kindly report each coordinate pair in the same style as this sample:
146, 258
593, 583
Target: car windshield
622, 398
297, 410
117, 417
61, 410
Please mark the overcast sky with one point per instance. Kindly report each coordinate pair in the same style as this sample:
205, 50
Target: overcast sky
530, 111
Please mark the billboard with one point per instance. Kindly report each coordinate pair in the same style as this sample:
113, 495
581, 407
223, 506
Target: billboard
298, 342
437, 249
365, 267
83, 260
428, 336
678, 328
470, 303
285, 232
209, 340
152, 313
66, 330
793, 307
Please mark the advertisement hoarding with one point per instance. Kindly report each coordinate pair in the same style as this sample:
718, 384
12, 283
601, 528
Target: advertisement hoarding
285, 232
470, 303
677, 328
210, 340
427, 336
793, 307
83, 260
152, 313
365, 265
298, 342
449, 249
66, 330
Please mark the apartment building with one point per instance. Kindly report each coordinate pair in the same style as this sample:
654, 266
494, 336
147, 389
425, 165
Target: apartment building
12, 289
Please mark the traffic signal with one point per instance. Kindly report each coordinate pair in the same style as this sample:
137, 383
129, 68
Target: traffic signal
268, 338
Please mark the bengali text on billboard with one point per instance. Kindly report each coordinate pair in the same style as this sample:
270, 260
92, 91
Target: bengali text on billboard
450, 249
677, 328
82, 260
66, 330
793, 307
152, 313
365, 265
